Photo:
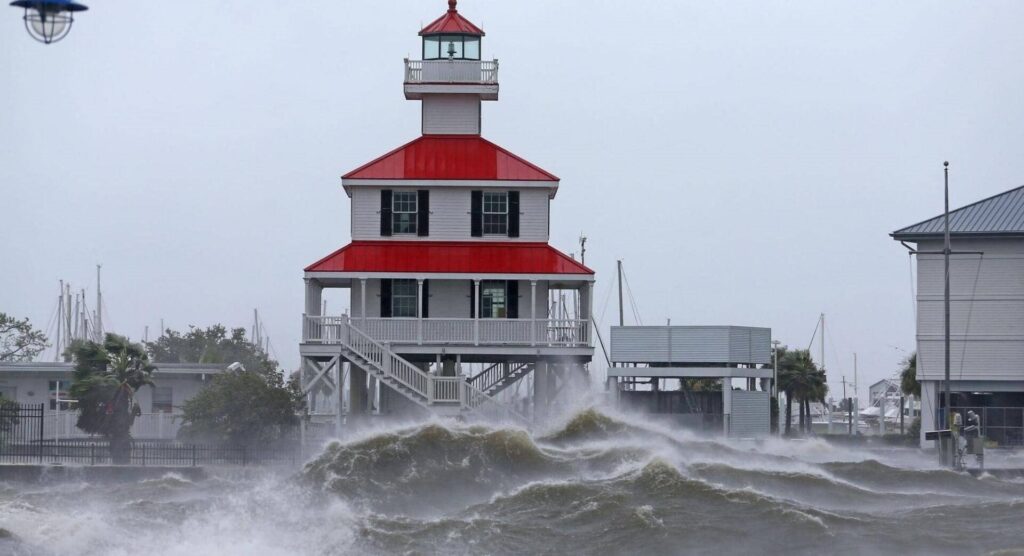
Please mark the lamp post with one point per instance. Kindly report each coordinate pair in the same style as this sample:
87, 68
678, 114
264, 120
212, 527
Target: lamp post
49, 21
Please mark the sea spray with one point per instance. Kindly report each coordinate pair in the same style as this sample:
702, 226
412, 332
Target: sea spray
596, 482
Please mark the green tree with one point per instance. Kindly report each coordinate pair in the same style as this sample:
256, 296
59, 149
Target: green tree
247, 406
802, 382
242, 408
19, 341
105, 380
211, 345
908, 377
910, 386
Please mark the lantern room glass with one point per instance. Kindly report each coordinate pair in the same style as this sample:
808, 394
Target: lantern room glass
454, 47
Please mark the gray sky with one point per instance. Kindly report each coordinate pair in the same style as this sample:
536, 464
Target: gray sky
746, 159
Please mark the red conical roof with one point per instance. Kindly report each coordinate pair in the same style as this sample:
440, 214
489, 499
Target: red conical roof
452, 23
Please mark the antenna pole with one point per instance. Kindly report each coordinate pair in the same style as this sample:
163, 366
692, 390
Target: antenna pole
946, 249
60, 321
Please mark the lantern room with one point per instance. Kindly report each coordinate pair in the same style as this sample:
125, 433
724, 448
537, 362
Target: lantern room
452, 60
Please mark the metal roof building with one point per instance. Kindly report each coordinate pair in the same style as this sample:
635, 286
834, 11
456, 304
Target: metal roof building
986, 314
998, 215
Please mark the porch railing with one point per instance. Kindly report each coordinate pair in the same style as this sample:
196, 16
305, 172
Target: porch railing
497, 332
451, 71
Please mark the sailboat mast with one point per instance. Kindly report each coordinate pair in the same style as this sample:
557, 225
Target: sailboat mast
622, 318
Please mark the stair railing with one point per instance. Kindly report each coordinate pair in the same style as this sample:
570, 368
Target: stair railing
387, 361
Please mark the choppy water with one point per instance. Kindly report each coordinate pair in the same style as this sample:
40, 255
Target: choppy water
595, 485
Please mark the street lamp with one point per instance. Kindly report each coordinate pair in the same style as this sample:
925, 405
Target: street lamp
49, 20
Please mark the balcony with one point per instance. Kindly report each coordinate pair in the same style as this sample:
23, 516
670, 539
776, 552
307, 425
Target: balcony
570, 333
450, 76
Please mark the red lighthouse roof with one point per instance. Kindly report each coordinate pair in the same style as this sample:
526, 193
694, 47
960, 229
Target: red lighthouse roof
449, 257
452, 23
450, 157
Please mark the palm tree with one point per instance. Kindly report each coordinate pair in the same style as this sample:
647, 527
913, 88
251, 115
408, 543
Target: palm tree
106, 378
801, 380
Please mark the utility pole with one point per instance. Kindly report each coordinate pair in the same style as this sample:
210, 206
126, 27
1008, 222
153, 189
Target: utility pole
856, 393
583, 249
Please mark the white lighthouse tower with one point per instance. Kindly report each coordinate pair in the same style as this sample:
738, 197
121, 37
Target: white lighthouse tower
449, 270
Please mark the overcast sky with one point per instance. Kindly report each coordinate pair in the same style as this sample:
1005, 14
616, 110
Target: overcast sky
746, 160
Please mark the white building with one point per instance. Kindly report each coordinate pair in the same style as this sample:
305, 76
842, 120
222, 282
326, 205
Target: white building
449, 262
48, 383
987, 314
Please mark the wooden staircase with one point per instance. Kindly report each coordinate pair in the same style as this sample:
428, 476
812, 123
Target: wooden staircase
499, 376
444, 395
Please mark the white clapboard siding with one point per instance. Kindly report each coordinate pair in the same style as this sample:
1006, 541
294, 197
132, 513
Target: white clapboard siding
449, 215
986, 311
451, 114
449, 299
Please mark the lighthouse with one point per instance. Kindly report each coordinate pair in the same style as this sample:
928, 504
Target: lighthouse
458, 305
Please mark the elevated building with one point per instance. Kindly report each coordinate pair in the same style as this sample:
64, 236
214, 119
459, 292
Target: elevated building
449, 263
987, 314
712, 378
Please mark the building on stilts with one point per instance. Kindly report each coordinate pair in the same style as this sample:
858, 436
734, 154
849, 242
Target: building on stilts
449, 272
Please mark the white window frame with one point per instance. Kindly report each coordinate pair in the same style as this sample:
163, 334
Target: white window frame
405, 296
501, 224
395, 220
485, 298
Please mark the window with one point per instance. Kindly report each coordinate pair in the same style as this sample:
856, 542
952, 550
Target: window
163, 399
403, 210
495, 213
403, 298
457, 47
59, 389
472, 48
431, 48
492, 299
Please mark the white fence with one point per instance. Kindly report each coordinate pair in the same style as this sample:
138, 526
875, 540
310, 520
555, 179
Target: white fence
451, 71
499, 332
58, 425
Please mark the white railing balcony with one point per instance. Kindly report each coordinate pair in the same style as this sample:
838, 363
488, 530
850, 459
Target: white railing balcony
469, 332
480, 72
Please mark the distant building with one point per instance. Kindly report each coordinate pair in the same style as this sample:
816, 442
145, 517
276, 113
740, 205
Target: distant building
987, 314
48, 384
657, 368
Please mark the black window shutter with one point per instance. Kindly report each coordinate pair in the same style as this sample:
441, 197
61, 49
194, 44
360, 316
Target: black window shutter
472, 300
476, 210
385, 298
512, 299
425, 302
385, 212
513, 214
423, 212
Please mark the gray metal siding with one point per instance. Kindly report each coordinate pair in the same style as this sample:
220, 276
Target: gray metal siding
449, 215
451, 114
691, 344
751, 414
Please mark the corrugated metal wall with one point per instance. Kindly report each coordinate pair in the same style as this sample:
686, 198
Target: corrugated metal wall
691, 344
751, 414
